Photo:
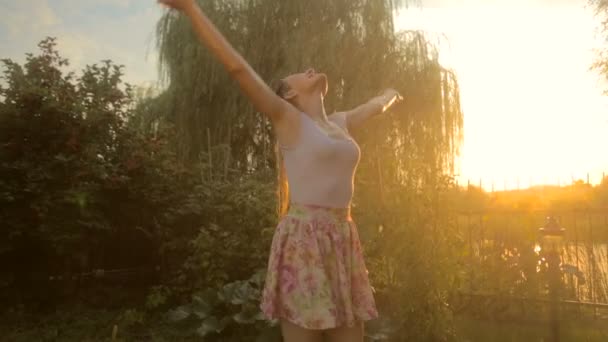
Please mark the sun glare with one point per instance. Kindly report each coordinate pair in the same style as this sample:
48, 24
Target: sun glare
534, 111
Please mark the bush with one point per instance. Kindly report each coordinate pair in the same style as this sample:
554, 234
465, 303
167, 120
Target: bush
92, 191
82, 190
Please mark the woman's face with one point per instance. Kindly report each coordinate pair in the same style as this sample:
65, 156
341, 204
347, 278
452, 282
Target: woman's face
308, 83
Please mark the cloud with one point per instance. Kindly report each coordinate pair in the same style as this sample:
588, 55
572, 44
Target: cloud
87, 31
25, 17
498, 3
123, 34
116, 3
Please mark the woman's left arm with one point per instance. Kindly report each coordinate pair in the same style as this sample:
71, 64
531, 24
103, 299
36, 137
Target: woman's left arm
355, 118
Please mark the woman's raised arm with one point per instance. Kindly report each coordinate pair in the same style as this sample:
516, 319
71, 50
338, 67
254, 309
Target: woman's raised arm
252, 85
357, 117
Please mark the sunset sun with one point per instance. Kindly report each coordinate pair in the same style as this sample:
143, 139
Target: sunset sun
534, 112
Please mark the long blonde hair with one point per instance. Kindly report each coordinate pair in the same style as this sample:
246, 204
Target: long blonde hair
281, 88
282, 184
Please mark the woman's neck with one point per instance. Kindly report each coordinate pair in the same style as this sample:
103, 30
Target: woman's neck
313, 107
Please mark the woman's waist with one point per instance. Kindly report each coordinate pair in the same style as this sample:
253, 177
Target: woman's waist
324, 192
312, 211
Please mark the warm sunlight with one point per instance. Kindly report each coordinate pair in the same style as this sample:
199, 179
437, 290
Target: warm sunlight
534, 112
281, 171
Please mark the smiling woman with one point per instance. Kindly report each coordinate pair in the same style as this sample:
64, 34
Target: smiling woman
535, 113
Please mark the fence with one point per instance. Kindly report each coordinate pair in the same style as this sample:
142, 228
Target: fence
519, 183
505, 265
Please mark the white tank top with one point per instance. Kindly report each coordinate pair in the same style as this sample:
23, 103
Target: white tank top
320, 169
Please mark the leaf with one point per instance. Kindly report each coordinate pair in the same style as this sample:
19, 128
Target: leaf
377, 336
239, 293
244, 317
259, 277
62, 158
210, 325
201, 308
260, 316
179, 314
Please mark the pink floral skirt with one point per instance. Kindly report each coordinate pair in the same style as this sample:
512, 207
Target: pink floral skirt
316, 276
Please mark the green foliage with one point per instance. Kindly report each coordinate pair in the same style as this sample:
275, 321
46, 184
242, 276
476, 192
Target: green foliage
503, 257
83, 187
601, 11
88, 325
401, 182
184, 180
92, 176
231, 215
131, 317
341, 38
66, 163
229, 313
472, 330
412, 259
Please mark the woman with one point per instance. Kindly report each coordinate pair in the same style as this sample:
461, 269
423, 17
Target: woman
317, 282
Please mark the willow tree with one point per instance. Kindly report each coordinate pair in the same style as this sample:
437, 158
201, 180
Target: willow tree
353, 41
601, 61
407, 154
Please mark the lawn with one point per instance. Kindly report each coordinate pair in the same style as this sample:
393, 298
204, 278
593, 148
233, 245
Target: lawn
473, 330
97, 326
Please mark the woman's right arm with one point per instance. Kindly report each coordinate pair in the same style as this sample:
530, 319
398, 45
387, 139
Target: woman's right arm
252, 85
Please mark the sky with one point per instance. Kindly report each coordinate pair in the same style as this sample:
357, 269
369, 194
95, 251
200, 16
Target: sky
88, 31
534, 112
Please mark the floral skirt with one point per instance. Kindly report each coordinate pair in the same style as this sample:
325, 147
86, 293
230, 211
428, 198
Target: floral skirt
316, 276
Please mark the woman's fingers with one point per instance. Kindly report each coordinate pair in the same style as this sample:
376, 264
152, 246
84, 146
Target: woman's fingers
166, 2
397, 95
394, 94
176, 4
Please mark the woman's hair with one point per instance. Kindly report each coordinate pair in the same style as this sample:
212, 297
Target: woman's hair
281, 88
283, 186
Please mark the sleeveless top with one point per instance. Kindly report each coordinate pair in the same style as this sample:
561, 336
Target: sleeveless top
320, 169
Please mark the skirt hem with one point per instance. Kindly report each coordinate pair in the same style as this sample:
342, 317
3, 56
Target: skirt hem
316, 276
337, 323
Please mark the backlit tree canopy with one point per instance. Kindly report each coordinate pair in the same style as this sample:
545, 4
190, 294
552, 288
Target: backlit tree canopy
352, 41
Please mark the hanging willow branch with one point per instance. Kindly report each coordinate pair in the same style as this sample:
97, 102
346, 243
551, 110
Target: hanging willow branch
353, 41
601, 62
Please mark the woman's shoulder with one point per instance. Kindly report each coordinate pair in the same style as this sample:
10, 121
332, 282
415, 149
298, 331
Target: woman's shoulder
339, 118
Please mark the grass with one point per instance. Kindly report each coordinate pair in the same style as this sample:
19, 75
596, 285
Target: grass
97, 325
474, 330
90, 326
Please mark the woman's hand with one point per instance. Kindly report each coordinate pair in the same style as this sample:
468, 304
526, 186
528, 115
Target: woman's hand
390, 96
252, 85
386, 99
392, 92
180, 5
356, 117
